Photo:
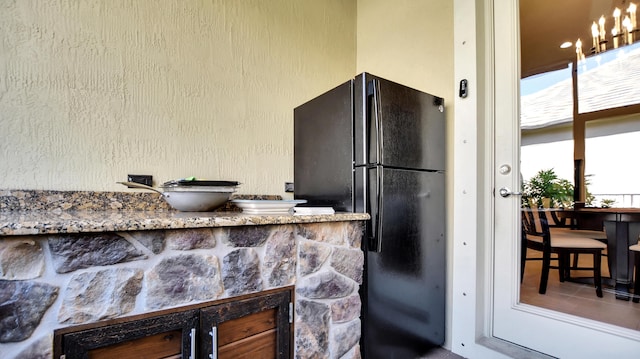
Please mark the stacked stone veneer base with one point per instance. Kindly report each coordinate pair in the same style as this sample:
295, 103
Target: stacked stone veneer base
54, 281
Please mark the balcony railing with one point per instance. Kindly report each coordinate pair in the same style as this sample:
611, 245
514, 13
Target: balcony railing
626, 200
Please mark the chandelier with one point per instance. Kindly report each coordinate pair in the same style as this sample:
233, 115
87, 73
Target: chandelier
622, 33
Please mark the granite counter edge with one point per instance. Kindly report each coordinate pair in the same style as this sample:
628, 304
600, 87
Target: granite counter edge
36, 223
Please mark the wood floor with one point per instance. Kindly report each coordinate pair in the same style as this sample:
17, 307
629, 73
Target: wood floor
571, 298
578, 299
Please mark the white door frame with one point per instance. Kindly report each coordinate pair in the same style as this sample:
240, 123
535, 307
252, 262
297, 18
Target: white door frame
471, 292
486, 130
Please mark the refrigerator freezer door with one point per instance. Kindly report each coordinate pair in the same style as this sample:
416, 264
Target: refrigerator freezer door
398, 126
405, 279
323, 149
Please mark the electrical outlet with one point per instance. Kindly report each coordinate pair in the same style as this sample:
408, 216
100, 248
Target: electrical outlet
288, 187
142, 179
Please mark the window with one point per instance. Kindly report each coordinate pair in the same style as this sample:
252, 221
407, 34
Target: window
613, 180
546, 120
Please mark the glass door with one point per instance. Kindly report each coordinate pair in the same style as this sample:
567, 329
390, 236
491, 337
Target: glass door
530, 325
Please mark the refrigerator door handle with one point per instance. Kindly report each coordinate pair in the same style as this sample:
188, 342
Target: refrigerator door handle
375, 89
375, 242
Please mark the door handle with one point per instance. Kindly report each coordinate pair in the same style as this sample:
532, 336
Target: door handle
192, 355
214, 342
375, 98
506, 192
375, 241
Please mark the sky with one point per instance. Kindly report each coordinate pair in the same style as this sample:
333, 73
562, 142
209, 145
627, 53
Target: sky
535, 83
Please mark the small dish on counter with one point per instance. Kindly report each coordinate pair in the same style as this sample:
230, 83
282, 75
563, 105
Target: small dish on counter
313, 211
251, 206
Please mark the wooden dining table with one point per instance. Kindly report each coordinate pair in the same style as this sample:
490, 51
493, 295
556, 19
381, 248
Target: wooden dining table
622, 228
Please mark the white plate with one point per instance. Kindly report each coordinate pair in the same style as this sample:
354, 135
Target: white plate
267, 206
221, 189
313, 210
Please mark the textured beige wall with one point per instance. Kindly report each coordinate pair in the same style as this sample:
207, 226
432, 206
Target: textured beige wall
93, 90
410, 42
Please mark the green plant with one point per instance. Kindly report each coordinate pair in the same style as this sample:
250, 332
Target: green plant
607, 202
589, 197
546, 184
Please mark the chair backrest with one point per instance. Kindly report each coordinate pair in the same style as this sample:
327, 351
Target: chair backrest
535, 223
543, 213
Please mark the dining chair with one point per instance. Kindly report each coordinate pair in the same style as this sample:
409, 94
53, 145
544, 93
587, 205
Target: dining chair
567, 231
636, 287
557, 227
536, 235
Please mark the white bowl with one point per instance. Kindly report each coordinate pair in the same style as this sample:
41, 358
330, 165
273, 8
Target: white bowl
196, 201
191, 198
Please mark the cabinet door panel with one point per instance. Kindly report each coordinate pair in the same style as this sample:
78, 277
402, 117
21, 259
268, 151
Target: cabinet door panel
262, 345
165, 333
247, 326
161, 345
257, 327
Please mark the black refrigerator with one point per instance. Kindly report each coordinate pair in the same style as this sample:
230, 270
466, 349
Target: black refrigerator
373, 145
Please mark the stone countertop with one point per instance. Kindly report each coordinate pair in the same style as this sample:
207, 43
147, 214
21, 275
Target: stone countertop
14, 223
30, 212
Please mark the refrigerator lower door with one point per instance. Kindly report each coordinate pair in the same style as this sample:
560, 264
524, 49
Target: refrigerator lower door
404, 305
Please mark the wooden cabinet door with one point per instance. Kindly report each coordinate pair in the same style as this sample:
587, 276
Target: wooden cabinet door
164, 336
257, 327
